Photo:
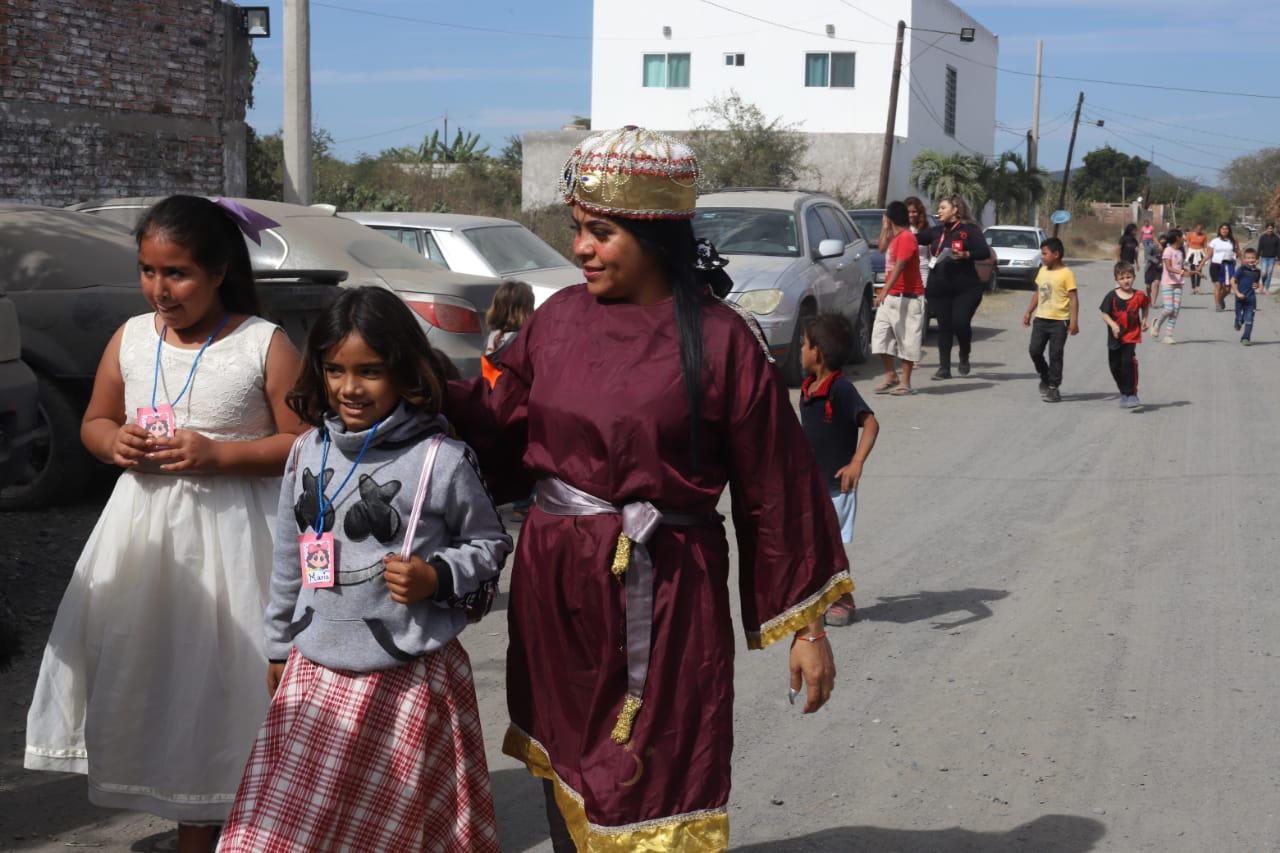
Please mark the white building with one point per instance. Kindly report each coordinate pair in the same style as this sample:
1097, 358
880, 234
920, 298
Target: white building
823, 65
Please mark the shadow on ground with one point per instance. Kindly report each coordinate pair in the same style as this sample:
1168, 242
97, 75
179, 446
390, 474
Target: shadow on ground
1047, 834
960, 386
1146, 408
520, 807
902, 609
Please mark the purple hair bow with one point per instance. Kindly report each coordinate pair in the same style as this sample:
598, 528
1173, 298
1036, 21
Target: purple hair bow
249, 221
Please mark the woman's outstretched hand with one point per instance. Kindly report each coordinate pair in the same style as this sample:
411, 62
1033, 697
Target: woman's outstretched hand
813, 663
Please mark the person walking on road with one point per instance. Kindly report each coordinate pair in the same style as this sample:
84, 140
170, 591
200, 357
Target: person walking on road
1246, 284
918, 222
1056, 305
620, 660
1148, 235
1154, 257
1196, 241
1127, 250
1222, 267
1124, 310
840, 427
1170, 288
899, 323
151, 684
1268, 252
954, 290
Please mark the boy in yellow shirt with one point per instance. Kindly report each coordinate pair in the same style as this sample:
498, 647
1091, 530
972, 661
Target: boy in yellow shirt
1057, 308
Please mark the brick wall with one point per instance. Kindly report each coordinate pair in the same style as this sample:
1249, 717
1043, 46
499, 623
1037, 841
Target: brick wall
103, 98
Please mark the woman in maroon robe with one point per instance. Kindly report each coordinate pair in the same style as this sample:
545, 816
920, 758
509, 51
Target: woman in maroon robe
634, 400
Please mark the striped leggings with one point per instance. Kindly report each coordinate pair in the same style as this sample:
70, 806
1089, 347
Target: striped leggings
1171, 299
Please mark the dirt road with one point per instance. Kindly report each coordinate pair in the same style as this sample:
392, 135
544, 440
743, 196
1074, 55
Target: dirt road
1068, 636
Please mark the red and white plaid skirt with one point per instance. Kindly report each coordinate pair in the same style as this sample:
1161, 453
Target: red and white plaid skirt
389, 760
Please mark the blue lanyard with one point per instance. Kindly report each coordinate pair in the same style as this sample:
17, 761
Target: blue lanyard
155, 378
325, 506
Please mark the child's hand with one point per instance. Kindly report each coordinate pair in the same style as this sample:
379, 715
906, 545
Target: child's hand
1026, 319
409, 582
1146, 324
130, 446
184, 452
849, 476
275, 671
1115, 331
1073, 329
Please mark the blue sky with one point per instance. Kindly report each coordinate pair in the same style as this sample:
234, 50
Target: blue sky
373, 76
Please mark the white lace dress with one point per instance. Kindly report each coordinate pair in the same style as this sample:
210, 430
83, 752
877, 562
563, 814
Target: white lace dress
153, 681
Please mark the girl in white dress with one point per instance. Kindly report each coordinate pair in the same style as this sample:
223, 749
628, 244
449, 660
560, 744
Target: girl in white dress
151, 683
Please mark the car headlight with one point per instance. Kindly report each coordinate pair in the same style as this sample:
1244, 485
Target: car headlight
1021, 262
761, 301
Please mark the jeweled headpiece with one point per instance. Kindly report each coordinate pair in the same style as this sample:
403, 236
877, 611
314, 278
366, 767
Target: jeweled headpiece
633, 173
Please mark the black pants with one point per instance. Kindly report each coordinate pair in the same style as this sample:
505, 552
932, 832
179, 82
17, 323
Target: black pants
954, 311
1123, 359
561, 841
1054, 334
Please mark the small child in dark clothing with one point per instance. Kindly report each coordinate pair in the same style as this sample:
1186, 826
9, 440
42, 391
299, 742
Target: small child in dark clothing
832, 412
1124, 310
1245, 285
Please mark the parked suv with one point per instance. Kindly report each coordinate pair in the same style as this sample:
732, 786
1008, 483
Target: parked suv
792, 254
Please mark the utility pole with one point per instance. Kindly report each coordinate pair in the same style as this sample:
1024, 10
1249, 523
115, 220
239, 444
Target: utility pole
1071, 148
1033, 143
886, 157
297, 101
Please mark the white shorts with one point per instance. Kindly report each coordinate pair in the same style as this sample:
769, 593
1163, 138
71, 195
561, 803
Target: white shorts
899, 328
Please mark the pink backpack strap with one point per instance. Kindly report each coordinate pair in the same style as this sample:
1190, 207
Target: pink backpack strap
292, 462
428, 465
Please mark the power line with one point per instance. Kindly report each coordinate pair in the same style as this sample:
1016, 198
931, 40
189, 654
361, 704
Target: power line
1198, 147
1164, 157
453, 26
788, 26
868, 14
1213, 133
387, 132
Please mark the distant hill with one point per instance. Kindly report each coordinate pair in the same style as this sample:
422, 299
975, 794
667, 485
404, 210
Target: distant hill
1154, 172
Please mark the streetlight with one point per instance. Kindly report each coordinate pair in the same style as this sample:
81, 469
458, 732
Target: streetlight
966, 34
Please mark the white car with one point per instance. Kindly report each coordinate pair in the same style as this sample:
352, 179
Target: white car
480, 245
1018, 248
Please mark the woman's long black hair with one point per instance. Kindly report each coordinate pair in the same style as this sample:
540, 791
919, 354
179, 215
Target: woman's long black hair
672, 243
214, 240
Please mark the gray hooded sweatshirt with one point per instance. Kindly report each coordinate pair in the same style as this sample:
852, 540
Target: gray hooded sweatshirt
354, 625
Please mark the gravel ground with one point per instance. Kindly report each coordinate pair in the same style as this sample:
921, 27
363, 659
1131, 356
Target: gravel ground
1068, 636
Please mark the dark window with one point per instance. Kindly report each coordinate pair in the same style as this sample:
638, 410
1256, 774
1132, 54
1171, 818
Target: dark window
842, 67
433, 249
831, 222
949, 108
835, 70
814, 230
735, 59
666, 70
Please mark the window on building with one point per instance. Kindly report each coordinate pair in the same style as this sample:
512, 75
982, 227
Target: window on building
835, 70
666, 71
949, 108
735, 59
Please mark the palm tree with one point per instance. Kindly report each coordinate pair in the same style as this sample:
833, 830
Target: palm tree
1017, 189
969, 176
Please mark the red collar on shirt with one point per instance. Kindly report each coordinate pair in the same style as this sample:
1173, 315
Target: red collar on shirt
809, 389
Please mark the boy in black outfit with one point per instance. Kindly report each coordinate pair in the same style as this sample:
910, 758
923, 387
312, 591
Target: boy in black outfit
832, 412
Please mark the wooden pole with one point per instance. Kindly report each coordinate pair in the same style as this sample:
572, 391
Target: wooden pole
886, 157
1071, 148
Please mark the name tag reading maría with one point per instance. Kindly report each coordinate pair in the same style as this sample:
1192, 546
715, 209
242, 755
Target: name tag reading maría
318, 558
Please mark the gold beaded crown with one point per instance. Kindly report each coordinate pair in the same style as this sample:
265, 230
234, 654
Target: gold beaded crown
633, 173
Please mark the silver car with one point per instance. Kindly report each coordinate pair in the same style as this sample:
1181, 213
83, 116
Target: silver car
449, 305
792, 254
482, 245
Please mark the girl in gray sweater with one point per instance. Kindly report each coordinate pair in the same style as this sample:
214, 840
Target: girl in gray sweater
373, 738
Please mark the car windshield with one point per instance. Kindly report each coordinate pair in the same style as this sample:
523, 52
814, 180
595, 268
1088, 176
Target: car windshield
331, 242
735, 231
513, 248
869, 224
1007, 238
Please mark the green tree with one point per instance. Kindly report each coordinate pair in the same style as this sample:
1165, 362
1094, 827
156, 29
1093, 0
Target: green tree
1106, 172
1206, 207
265, 165
1253, 179
1016, 189
739, 146
937, 174
512, 154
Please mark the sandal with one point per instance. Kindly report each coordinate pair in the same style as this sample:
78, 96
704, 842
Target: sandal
842, 612
902, 391
885, 384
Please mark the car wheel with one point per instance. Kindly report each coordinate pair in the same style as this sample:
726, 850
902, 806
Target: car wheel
59, 463
862, 328
792, 371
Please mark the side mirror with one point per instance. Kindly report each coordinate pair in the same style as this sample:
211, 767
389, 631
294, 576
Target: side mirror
830, 248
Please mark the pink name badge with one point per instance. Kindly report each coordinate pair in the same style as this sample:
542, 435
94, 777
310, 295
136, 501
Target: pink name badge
158, 422
318, 559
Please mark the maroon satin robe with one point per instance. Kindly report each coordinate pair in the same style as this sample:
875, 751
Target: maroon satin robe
591, 392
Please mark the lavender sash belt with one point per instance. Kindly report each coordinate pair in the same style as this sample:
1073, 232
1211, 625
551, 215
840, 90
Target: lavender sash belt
640, 520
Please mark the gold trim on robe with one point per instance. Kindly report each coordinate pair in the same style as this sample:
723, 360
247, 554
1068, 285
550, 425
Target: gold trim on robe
704, 831
809, 610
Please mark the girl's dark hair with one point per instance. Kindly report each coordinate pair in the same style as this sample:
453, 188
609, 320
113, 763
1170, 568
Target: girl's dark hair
914, 203
832, 336
672, 243
214, 240
1129, 230
511, 307
417, 371
1231, 234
